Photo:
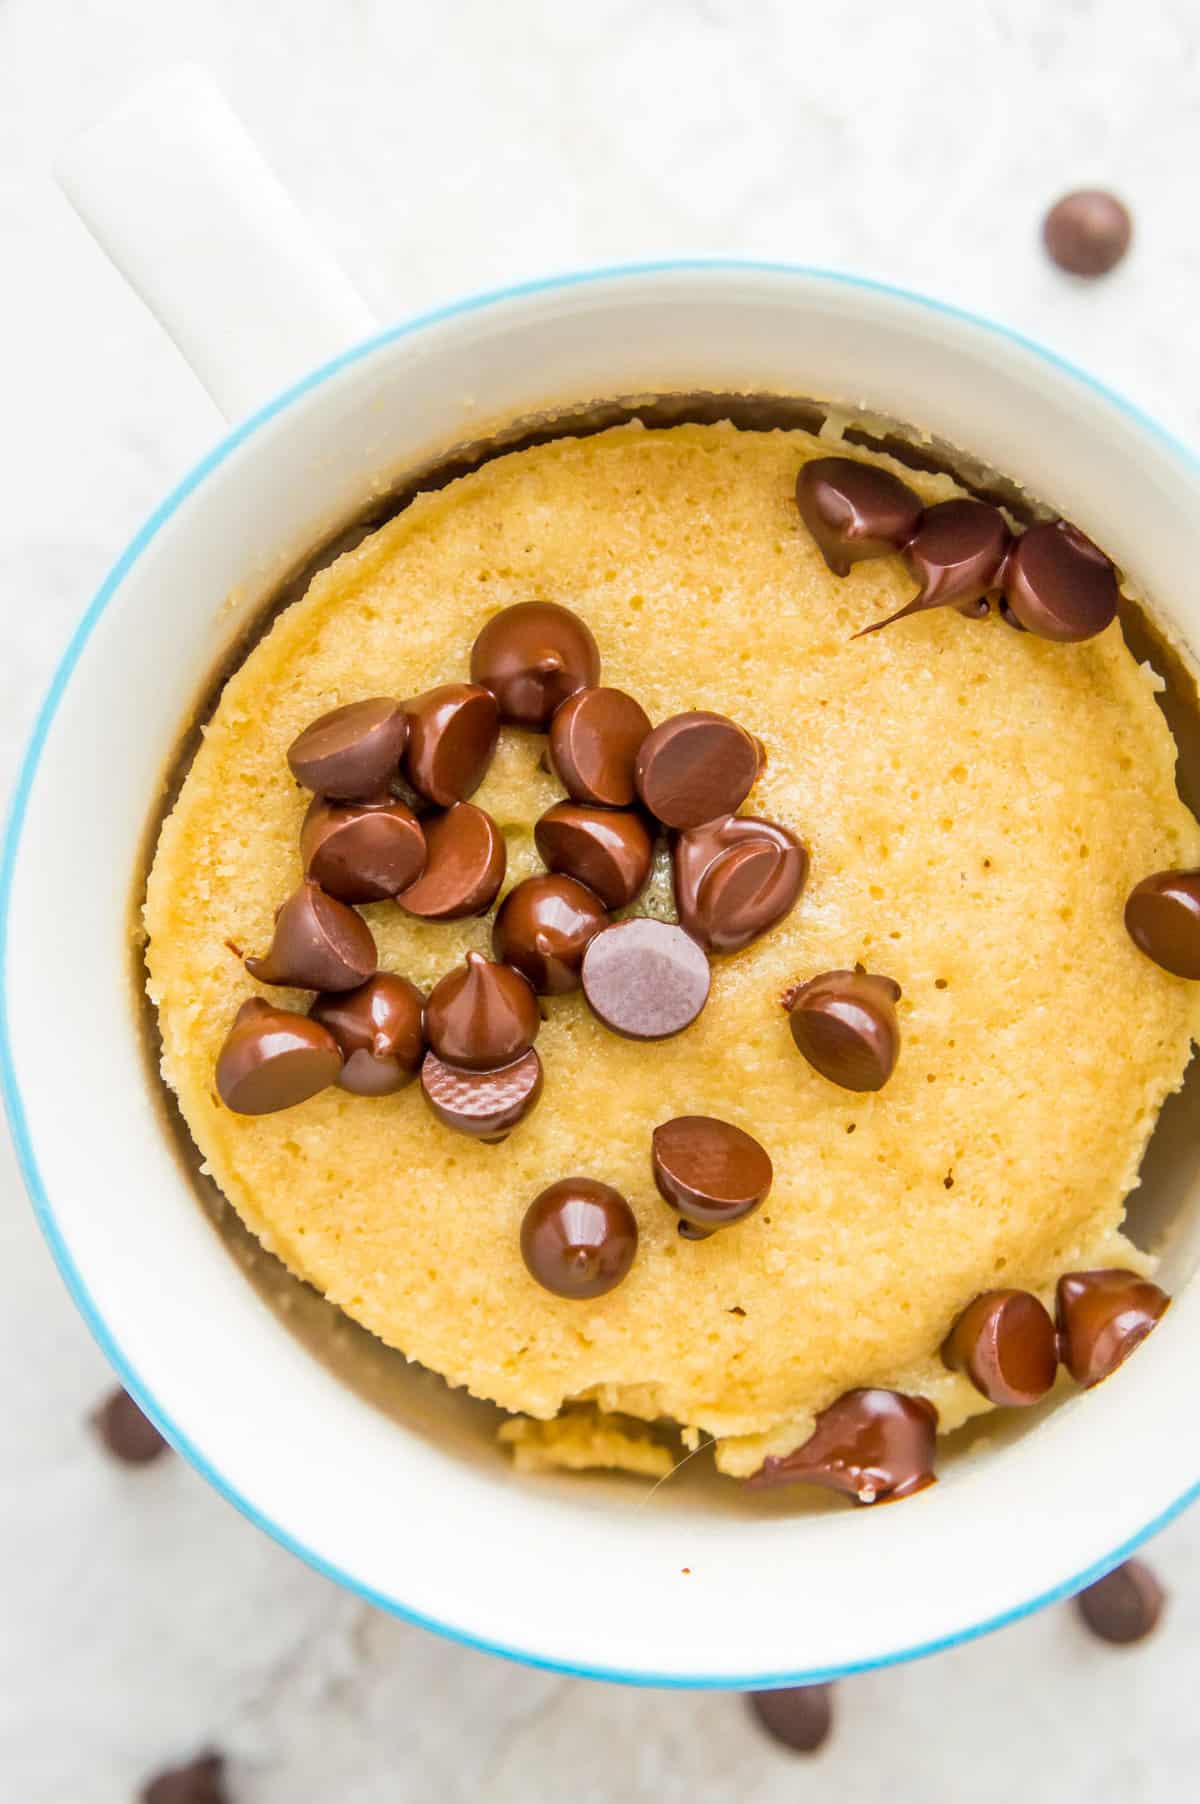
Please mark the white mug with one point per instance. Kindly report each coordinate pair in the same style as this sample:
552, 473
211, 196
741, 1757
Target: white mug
679, 1585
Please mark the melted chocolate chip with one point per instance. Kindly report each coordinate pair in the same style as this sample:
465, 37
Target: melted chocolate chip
1058, 584
799, 1717
1102, 1316
318, 944
378, 1030
533, 657
696, 767
735, 878
855, 510
465, 859
452, 733
352, 751
1087, 232
200, 1781
645, 979
1125, 1605
1005, 1343
710, 1171
608, 850
874, 1445
594, 742
956, 556
543, 928
578, 1238
486, 1105
1162, 917
481, 1016
127, 1434
845, 1024
361, 851
274, 1058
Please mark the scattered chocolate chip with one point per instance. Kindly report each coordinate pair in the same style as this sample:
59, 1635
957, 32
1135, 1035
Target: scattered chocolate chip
352, 751
608, 850
1009, 618
710, 1171
274, 1058
361, 851
532, 657
200, 1781
578, 1238
855, 510
1102, 1316
128, 1435
594, 741
487, 1105
695, 767
874, 1445
543, 928
481, 1016
319, 944
1162, 917
845, 1024
1058, 584
1005, 1343
645, 979
735, 878
956, 555
452, 733
799, 1717
1125, 1605
1087, 232
378, 1030
465, 859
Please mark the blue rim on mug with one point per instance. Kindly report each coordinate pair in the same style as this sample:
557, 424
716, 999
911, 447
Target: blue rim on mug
14, 1107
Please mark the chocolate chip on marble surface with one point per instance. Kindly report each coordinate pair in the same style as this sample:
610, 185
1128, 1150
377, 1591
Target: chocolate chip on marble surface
845, 1024
1162, 917
465, 860
1006, 1344
956, 556
198, 1781
452, 733
378, 1030
273, 1059
855, 510
609, 850
533, 657
125, 1432
1059, 585
874, 1445
735, 878
578, 1238
482, 1015
645, 979
351, 752
486, 1105
696, 767
710, 1171
594, 741
543, 928
797, 1717
1087, 232
1125, 1605
361, 851
1102, 1316
319, 943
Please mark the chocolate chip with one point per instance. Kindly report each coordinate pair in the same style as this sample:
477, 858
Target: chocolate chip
543, 928
378, 1030
487, 1105
645, 979
594, 741
127, 1434
200, 1781
956, 556
274, 1058
695, 767
874, 1445
481, 1016
533, 657
710, 1171
1125, 1605
1058, 584
319, 944
1102, 1316
578, 1238
1087, 232
855, 510
799, 1717
735, 878
352, 751
608, 850
465, 859
1162, 916
845, 1024
452, 732
361, 851
1005, 1343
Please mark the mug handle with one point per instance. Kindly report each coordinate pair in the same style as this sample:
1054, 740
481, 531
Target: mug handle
172, 186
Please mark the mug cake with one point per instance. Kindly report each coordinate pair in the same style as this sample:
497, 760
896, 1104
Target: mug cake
694, 927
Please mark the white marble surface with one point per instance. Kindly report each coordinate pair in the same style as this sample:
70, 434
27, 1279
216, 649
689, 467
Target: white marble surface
456, 146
